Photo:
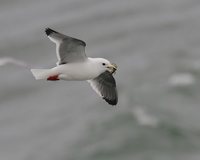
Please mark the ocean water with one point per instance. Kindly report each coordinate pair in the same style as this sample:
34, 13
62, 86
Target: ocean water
156, 45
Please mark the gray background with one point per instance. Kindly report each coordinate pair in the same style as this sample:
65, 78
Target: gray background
156, 44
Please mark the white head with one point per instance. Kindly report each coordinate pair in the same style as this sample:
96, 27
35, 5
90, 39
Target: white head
104, 65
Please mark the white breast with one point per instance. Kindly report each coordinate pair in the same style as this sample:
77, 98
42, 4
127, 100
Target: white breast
77, 71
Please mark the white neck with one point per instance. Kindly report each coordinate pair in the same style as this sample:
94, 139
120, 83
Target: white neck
94, 67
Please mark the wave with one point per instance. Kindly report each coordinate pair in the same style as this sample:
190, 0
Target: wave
9, 60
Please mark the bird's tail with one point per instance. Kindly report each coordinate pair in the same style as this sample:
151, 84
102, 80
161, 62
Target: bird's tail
41, 73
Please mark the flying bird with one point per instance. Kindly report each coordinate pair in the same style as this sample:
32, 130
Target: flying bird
73, 64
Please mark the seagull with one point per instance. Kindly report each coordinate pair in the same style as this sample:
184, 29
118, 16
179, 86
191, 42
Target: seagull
74, 65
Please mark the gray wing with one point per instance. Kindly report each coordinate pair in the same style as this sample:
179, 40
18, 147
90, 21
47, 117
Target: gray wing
105, 86
68, 49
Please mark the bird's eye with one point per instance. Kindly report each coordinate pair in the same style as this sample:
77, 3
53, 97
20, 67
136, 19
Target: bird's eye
103, 64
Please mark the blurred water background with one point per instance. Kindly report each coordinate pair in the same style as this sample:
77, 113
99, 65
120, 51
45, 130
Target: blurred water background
156, 44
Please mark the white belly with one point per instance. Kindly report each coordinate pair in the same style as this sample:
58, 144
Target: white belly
75, 72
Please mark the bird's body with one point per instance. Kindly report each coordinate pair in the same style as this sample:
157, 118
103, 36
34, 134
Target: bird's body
73, 64
77, 71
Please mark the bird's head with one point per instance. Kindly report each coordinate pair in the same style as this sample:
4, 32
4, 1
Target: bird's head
105, 65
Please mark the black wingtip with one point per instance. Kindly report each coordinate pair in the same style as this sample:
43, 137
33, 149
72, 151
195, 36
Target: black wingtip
49, 31
111, 102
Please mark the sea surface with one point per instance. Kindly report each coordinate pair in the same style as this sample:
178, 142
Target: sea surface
156, 45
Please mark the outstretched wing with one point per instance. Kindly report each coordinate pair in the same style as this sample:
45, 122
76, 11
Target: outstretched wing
105, 86
68, 49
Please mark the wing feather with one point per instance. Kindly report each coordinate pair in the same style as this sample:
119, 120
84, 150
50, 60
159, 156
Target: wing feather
105, 86
68, 49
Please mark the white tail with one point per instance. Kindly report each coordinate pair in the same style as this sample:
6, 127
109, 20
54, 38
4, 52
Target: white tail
41, 73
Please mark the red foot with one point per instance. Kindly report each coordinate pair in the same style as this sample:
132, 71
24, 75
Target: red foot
53, 78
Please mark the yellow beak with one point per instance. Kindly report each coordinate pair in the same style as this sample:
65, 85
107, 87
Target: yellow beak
112, 68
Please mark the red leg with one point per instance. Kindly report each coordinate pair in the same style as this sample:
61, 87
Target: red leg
53, 78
